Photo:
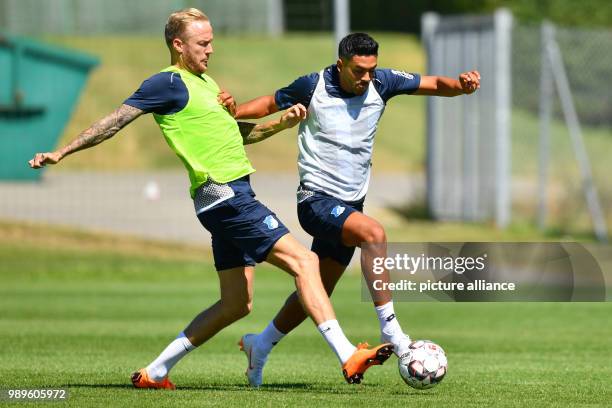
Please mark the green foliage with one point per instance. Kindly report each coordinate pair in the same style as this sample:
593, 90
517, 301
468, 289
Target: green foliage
404, 16
586, 13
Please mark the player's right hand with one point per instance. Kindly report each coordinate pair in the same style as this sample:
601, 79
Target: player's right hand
470, 81
227, 100
42, 159
293, 115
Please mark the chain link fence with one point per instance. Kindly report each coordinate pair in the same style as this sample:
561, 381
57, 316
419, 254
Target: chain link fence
554, 80
94, 17
587, 59
315, 15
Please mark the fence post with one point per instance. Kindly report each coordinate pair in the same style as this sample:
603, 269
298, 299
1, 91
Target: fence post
503, 81
276, 18
546, 94
573, 124
342, 14
429, 24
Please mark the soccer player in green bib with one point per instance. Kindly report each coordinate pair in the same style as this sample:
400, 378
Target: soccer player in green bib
195, 117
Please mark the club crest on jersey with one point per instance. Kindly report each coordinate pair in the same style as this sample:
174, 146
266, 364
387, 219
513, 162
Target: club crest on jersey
270, 222
337, 211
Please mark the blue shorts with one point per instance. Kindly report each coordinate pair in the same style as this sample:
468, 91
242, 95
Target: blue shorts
243, 229
323, 216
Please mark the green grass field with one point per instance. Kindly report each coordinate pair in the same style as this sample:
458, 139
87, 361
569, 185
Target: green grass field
81, 311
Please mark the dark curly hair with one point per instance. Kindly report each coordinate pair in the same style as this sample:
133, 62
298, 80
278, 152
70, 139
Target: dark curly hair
357, 44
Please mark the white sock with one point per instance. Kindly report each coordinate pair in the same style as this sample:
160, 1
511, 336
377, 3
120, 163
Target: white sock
171, 355
389, 326
333, 334
268, 338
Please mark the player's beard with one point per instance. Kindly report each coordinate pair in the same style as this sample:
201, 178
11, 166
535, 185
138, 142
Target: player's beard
194, 65
360, 88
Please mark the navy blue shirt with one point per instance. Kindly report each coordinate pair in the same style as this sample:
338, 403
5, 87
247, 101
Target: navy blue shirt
387, 82
164, 93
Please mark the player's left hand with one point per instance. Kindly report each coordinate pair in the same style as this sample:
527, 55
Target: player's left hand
227, 100
293, 115
40, 160
470, 81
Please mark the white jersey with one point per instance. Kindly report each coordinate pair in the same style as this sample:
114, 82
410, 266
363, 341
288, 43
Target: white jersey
336, 140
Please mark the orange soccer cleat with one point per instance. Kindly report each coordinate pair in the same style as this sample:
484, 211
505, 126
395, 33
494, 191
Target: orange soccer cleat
141, 379
364, 358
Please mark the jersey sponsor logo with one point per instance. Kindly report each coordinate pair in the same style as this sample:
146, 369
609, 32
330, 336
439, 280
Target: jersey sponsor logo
337, 211
402, 74
270, 222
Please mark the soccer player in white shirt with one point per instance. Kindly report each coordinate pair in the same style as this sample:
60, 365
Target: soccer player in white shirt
345, 102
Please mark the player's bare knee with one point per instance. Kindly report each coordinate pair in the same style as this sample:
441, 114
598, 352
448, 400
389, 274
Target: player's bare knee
374, 234
247, 308
306, 263
241, 310
237, 310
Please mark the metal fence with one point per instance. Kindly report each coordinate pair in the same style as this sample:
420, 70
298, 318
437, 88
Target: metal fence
562, 119
587, 59
548, 142
468, 145
313, 15
94, 17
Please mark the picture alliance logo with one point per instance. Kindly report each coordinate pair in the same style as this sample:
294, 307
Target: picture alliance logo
412, 264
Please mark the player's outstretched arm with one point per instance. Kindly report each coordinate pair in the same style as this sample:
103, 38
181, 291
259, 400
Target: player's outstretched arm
252, 133
103, 129
257, 108
467, 83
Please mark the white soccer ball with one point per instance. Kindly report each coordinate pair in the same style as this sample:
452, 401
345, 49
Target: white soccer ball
424, 364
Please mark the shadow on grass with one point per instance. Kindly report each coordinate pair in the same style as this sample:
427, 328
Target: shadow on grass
280, 387
108, 386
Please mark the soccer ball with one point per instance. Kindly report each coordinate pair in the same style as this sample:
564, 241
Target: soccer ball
424, 364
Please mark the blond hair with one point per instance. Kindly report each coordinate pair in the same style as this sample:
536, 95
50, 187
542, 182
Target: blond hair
178, 21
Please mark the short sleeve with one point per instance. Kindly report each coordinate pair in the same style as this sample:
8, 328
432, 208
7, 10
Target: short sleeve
390, 82
164, 93
299, 91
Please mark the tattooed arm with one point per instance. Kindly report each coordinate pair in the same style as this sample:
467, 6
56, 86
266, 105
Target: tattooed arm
252, 133
103, 129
